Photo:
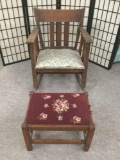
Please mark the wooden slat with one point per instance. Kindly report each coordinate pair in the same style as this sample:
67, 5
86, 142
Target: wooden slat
58, 34
78, 35
66, 33
81, 45
51, 33
60, 47
61, 71
54, 127
40, 35
41, 39
48, 15
57, 141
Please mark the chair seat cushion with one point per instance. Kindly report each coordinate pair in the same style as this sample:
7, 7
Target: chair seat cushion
58, 108
59, 59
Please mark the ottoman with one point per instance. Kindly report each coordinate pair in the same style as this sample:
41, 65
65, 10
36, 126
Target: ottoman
58, 112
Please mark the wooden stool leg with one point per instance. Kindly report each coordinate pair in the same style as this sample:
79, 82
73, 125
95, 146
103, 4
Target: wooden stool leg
88, 138
27, 138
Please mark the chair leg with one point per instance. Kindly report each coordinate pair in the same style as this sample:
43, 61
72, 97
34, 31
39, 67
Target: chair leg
36, 80
88, 138
84, 78
81, 82
27, 138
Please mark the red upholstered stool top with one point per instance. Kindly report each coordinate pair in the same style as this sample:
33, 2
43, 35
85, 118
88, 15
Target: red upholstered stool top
58, 108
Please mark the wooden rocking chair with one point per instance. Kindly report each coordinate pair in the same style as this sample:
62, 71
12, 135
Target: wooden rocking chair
58, 57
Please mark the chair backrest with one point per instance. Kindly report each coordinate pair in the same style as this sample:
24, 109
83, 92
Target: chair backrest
61, 19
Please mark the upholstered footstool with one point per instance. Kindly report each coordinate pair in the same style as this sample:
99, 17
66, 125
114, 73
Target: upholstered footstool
58, 112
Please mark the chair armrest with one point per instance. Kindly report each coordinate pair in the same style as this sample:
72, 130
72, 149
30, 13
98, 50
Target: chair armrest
32, 37
86, 36
33, 46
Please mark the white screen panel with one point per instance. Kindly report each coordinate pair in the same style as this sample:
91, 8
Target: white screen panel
106, 20
12, 31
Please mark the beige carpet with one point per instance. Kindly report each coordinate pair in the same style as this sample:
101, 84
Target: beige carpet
103, 87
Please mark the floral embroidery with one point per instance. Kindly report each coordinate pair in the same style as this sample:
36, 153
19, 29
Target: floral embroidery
76, 95
46, 105
61, 96
76, 120
60, 118
46, 96
74, 105
42, 116
60, 105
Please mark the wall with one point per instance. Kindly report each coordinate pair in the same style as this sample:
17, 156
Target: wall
117, 58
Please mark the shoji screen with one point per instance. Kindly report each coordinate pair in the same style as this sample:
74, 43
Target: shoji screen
12, 32
106, 20
76, 4
102, 18
42, 4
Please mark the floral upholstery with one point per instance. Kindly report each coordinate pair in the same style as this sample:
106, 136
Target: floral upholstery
58, 108
59, 59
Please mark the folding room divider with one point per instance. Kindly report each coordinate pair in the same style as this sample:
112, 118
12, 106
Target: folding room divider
102, 21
